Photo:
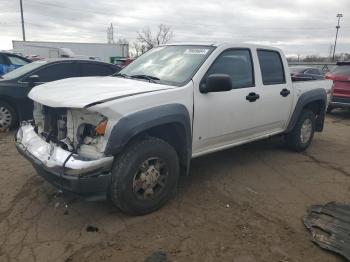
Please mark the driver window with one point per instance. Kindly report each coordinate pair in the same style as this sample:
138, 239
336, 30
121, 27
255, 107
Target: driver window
236, 63
58, 71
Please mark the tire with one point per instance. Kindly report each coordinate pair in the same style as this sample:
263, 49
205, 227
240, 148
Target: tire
298, 141
130, 190
8, 116
329, 109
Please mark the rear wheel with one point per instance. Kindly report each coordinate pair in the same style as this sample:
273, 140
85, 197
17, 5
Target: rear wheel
301, 136
8, 116
144, 176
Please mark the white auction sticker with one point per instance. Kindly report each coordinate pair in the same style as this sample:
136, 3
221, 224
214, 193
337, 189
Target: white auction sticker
196, 51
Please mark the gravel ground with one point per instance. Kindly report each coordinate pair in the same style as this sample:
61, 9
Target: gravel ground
244, 204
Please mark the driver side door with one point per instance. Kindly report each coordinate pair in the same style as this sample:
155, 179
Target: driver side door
222, 119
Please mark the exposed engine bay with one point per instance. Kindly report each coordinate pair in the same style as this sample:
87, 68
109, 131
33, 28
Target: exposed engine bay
76, 130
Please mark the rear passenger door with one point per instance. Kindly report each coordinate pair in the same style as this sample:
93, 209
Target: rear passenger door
275, 92
96, 69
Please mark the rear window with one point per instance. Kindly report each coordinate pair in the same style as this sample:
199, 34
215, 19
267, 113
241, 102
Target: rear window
271, 67
342, 70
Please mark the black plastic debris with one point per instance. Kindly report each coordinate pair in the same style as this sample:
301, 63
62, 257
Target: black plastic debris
158, 256
90, 228
330, 227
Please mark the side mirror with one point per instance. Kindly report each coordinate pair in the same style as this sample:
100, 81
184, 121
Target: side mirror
32, 80
216, 83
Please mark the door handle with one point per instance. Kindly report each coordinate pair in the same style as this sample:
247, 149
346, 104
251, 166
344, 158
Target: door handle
285, 92
252, 97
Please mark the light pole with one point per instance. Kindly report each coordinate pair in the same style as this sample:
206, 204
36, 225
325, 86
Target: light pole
336, 34
23, 31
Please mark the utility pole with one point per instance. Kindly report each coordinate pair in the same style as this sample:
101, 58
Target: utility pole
23, 31
330, 53
336, 34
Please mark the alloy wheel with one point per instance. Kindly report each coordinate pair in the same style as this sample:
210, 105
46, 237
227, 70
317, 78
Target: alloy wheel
306, 131
5, 118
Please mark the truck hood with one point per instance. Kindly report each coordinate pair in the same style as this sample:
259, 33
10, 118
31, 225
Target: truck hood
83, 92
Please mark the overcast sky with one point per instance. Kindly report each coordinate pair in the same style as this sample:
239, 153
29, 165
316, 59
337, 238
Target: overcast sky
298, 26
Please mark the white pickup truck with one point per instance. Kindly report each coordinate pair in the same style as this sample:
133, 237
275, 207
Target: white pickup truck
128, 137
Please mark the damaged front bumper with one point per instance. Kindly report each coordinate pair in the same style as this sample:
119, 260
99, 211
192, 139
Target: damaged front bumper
65, 170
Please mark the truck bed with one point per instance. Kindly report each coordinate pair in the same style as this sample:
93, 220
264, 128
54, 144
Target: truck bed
304, 86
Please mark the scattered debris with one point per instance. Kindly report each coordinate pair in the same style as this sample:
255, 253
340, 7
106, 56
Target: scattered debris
90, 228
227, 206
66, 212
251, 190
158, 256
65, 201
69, 259
330, 227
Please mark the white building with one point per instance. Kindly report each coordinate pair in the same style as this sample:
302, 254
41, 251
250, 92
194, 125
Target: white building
53, 49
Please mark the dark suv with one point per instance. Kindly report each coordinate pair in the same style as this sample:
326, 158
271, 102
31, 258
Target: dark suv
14, 86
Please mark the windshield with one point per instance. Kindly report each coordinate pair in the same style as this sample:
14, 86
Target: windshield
23, 70
169, 64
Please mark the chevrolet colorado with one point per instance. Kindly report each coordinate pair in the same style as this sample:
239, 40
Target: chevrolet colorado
128, 137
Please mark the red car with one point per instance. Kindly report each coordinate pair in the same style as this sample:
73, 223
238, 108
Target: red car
123, 62
341, 86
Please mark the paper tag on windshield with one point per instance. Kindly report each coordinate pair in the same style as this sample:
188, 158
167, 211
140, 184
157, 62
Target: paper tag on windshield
196, 51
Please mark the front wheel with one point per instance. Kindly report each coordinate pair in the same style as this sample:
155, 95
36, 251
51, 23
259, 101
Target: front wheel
302, 134
144, 176
8, 116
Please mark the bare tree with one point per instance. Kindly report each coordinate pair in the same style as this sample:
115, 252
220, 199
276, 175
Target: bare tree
137, 49
122, 41
149, 40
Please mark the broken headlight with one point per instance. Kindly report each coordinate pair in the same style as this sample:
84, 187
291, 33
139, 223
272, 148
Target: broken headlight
90, 139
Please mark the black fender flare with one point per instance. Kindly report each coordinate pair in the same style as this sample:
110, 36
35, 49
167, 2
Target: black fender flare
308, 97
136, 123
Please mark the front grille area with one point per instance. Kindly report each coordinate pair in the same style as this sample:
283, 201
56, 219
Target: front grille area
54, 119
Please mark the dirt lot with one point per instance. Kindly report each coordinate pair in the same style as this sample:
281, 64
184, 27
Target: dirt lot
244, 204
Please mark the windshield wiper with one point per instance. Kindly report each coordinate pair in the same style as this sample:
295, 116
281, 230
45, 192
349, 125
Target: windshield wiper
151, 79
122, 75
